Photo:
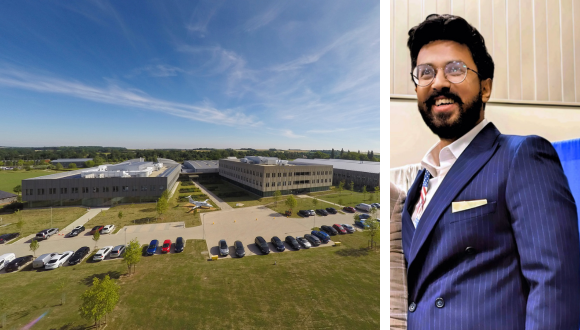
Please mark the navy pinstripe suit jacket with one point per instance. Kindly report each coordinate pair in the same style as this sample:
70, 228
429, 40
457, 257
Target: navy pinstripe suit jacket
513, 263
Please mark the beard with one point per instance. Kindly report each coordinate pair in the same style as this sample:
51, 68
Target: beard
441, 124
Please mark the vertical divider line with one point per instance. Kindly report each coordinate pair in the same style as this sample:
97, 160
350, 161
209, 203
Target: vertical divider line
507, 41
521, 69
561, 50
574, 51
534, 43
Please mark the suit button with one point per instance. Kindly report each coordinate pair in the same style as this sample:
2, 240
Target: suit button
470, 251
439, 302
412, 307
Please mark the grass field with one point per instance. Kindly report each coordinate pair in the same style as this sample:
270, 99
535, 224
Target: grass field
36, 220
323, 288
303, 204
10, 179
134, 214
349, 198
220, 187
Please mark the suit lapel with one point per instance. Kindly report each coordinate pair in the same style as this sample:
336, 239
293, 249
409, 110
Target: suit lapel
408, 227
467, 165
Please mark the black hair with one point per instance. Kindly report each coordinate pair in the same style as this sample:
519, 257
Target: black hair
454, 28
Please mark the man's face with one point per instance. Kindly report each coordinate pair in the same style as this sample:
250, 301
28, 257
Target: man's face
450, 121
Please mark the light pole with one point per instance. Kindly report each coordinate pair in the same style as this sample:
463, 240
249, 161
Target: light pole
51, 217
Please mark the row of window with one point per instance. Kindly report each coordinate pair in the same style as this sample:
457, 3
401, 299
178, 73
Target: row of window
86, 190
259, 174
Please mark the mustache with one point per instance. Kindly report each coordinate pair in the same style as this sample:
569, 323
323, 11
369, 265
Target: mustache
431, 100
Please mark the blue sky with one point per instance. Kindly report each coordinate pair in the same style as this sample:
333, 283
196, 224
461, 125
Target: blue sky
189, 74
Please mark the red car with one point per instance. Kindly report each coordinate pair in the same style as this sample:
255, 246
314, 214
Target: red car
166, 246
349, 209
339, 228
99, 228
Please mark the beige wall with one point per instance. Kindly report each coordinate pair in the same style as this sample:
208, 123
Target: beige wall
535, 44
411, 138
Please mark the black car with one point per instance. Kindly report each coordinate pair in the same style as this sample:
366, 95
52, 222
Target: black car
7, 237
329, 230
262, 244
77, 230
304, 213
239, 247
278, 244
79, 255
292, 242
322, 212
179, 244
16, 263
314, 241
331, 210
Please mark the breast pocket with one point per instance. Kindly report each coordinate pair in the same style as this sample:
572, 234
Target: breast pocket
473, 213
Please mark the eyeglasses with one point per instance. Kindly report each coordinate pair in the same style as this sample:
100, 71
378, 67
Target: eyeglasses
455, 71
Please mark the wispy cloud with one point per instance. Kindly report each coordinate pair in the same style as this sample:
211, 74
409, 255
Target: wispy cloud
200, 18
336, 130
157, 70
264, 18
289, 134
116, 95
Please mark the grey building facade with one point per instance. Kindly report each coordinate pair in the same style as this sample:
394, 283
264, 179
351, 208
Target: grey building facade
201, 166
361, 173
79, 162
264, 175
70, 188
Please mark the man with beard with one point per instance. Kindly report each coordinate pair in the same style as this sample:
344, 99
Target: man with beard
490, 231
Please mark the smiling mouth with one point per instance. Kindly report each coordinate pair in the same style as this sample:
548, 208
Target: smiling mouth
444, 102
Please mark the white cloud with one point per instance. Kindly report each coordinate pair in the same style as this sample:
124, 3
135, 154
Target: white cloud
289, 134
158, 70
263, 19
116, 95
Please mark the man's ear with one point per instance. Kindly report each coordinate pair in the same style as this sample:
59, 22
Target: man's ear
486, 89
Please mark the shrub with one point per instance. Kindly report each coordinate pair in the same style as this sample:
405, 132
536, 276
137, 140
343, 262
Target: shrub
188, 190
12, 207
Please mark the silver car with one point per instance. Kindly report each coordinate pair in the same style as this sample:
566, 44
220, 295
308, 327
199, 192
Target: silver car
302, 241
102, 253
117, 251
58, 260
223, 246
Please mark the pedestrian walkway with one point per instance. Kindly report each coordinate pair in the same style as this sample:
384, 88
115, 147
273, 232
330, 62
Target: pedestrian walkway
322, 200
91, 213
218, 201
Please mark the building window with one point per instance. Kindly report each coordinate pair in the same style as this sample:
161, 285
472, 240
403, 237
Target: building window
267, 175
52, 191
278, 183
115, 188
125, 188
260, 184
63, 190
95, 189
284, 183
284, 174
267, 184
105, 189
152, 188
85, 190
143, 188
40, 191
161, 188
134, 188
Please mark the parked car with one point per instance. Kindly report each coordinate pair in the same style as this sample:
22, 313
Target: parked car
322, 212
305, 244
45, 234
5, 259
364, 207
79, 255
58, 260
349, 209
179, 244
15, 264
223, 246
331, 210
262, 245
8, 237
322, 236
117, 251
152, 247
239, 248
166, 248
364, 216
42, 260
312, 213
361, 223
349, 229
95, 228
314, 241
278, 244
304, 213
102, 253
329, 230
292, 242
376, 205
339, 228
108, 229
76, 230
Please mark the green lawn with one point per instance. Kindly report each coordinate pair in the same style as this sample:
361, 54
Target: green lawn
349, 198
303, 204
221, 188
36, 220
10, 179
146, 213
323, 288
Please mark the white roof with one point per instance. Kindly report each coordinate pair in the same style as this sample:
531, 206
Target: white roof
342, 164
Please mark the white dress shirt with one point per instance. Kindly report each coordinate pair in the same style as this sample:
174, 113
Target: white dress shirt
438, 162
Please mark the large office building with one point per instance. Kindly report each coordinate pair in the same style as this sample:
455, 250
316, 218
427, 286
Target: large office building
133, 181
361, 173
264, 175
201, 166
79, 162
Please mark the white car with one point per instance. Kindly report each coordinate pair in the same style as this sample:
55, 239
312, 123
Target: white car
312, 213
102, 253
58, 260
117, 251
108, 229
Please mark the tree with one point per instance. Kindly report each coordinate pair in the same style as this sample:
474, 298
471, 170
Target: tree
59, 166
372, 229
120, 215
34, 245
372, 156
351, 187
165, 195
96, 237
340, 188
89, 163
99, 299
356, 217
162, 205
340, 202
291, 202
314, 202
378, 192
20, 222
364, 191
341, 152
17, 189
332, 154
72, 165
277, 195
132, 254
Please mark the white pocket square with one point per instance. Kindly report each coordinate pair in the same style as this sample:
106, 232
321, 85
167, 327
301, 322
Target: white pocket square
466, 205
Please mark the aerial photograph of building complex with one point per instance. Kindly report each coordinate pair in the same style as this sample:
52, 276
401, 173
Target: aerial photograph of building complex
190, 165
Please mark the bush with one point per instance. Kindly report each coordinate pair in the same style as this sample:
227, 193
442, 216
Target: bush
12, 207
188, 190
186, 183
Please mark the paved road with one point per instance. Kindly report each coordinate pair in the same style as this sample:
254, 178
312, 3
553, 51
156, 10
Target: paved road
218, 201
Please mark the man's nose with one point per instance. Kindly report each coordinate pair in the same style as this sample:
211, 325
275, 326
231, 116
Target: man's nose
440, 81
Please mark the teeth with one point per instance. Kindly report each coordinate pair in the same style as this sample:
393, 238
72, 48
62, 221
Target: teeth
444, 101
